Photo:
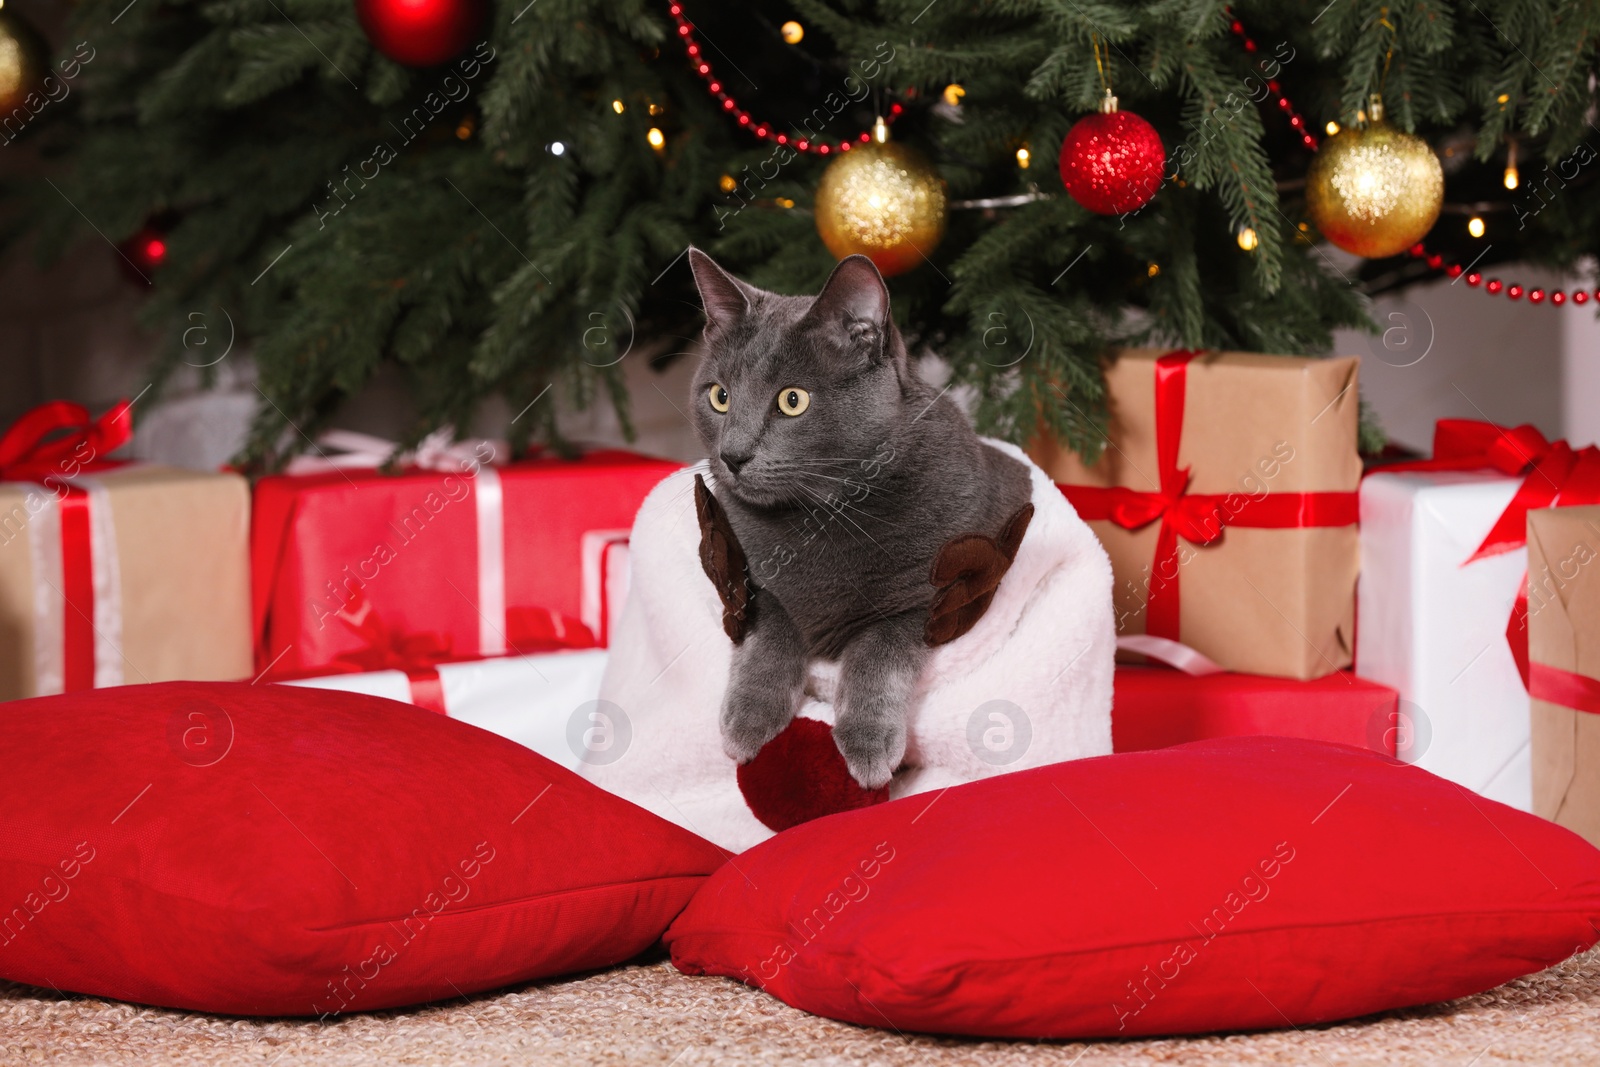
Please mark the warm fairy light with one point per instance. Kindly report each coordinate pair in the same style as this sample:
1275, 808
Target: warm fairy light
1023, 157
785, 203
727, 183
656, 137
792, 32
1512, 180
1152, 270
1332, 127
1503, 98
1248, 239
618, 106
953, 94
464, 130
656, 109
1475, 226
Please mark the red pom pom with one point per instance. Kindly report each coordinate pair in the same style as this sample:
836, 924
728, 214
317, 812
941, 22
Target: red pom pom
799, 776
420, 33
1112, 163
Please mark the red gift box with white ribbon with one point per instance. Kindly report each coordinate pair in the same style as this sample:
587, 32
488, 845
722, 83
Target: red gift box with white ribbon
475, 558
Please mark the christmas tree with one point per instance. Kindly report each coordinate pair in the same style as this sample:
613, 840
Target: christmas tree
492, 219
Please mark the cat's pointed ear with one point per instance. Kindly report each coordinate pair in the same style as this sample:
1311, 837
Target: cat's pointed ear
854, 293
724, 297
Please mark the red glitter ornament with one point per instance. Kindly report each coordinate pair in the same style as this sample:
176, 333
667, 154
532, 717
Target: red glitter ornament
421, 33
1112, 162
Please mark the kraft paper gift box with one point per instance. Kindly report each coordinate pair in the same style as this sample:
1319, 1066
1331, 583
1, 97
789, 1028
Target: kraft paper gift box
1225, 498
124, 575
546, 702
1564, 673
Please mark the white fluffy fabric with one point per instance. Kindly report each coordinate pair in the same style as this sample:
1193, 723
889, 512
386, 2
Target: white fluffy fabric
1044, 648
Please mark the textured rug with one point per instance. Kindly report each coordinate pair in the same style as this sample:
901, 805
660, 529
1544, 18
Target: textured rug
647, 1013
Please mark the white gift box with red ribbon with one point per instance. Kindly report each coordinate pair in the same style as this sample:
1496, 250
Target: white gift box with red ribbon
544, 702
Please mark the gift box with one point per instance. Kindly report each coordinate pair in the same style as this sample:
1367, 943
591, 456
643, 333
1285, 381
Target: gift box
1226, 499
1441, 615
488, 559
1564, 673
546, 702
115, 573
1155, 707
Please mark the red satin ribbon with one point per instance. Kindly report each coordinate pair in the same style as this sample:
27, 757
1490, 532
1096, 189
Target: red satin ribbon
50, 444
1196, 517
77, 591
1555, 475
1570, 690
59, 439
420, 654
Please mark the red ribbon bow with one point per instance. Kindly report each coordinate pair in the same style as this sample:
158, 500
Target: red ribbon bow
1196, 517
59, 439
386, 649
1555, 475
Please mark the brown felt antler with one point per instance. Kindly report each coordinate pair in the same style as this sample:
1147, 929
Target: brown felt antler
967, 571
723, 561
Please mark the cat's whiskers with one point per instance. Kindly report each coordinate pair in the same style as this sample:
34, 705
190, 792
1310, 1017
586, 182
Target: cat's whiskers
828, 502
845, 503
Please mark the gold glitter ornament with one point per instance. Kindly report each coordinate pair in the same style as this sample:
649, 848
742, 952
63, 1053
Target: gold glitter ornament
24, 63
1374, 190
884, 201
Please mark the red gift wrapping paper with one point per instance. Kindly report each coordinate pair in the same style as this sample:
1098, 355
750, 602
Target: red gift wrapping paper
1154, 707
408, 544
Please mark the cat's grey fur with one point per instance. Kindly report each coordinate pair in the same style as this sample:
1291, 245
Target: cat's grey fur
840, 510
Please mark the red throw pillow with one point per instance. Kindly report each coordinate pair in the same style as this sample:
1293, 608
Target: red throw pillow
1231, 884
284, 851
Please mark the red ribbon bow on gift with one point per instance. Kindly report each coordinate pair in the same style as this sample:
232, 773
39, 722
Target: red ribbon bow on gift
59, 440
1555, 475
385, 648
1196, 517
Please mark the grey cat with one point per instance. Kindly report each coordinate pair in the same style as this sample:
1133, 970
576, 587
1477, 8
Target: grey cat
842, 475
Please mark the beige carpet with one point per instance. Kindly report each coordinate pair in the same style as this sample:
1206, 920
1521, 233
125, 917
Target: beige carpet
650, 1014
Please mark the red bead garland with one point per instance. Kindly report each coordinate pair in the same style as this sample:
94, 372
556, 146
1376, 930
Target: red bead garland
1296, 120
730, 105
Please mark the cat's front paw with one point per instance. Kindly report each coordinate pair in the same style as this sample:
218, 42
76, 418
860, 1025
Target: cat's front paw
749, 721
872, 748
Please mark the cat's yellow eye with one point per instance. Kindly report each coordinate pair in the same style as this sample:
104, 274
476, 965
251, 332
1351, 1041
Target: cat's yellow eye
794, 401
719, 397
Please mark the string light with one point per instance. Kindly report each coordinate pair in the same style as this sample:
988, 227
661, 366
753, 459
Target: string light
557, 148
953, 94
1248, 239
731, 106
1023, 157
792, 32
1475, 226
656, 137
617, 106
1152, 270
727, 184
1512, 179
